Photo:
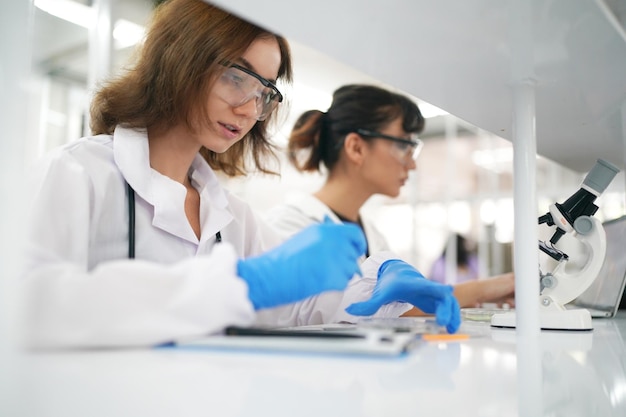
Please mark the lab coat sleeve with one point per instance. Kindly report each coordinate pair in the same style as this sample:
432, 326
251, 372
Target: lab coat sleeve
360, 289
134, 303
118, 303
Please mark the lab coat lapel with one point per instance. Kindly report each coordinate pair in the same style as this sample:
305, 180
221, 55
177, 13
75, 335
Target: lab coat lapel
131, 154
215, 213
167, 197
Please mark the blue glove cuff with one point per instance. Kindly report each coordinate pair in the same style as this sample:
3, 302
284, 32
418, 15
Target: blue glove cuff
248, 271
398, 266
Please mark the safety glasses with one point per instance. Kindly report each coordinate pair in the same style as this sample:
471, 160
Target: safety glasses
238, 85
402, 148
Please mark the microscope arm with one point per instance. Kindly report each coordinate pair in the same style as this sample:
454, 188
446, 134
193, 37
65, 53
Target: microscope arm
569, 280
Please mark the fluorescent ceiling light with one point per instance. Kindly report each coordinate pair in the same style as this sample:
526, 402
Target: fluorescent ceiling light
306, 97
71, 11
125, 33
428, 110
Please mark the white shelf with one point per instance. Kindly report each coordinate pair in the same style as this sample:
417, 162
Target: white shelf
456, 55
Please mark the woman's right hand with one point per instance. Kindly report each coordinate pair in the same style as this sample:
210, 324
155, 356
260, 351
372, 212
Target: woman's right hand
320, 258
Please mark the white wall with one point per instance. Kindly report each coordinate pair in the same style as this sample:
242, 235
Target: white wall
14, 84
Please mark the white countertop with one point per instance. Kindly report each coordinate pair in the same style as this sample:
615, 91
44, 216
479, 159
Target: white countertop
571, 373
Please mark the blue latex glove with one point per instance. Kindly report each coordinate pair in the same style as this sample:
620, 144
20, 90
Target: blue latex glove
320, 258
399, 281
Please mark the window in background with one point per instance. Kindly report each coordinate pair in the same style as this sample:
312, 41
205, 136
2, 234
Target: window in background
60, 88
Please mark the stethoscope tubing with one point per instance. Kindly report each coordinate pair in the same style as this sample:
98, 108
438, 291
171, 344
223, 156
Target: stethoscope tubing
131, 223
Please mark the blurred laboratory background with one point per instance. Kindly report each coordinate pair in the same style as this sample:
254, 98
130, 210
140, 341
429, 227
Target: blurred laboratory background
464, 178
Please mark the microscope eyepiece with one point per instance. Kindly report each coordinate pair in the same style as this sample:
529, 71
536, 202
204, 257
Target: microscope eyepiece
594, 184
581, 202
600, 176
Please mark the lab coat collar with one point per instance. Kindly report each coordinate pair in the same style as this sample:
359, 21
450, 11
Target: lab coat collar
315, 209
132, 156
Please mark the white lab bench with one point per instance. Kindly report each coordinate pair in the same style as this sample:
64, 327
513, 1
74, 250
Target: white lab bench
581, 374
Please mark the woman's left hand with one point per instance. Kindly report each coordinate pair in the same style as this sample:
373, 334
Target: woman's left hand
399, 281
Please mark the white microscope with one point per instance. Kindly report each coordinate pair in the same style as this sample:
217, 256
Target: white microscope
574, 272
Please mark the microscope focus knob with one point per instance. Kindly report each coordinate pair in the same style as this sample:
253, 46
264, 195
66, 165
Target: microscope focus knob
583, 225
548, 281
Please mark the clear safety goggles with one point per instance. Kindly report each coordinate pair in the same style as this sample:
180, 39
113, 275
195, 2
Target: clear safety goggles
238, 85
404, 149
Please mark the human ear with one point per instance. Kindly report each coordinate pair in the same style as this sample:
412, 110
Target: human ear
355, 148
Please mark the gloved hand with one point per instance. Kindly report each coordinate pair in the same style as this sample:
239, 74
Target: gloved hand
399, 281
319, 258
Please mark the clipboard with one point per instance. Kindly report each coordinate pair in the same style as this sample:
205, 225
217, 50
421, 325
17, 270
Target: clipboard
336, 341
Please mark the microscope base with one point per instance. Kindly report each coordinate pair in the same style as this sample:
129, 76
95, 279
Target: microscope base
575, 319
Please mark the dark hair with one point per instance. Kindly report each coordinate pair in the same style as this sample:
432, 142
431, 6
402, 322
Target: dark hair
180, 57
353, 107
464, 250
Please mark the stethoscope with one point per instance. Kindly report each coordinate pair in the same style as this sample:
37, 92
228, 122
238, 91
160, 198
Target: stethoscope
131, 223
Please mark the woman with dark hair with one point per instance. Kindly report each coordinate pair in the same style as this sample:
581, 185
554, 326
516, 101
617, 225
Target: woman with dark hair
465, 260
367, 143
132, 240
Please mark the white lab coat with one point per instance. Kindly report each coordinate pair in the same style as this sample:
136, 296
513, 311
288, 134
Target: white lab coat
301, 210
80, 287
